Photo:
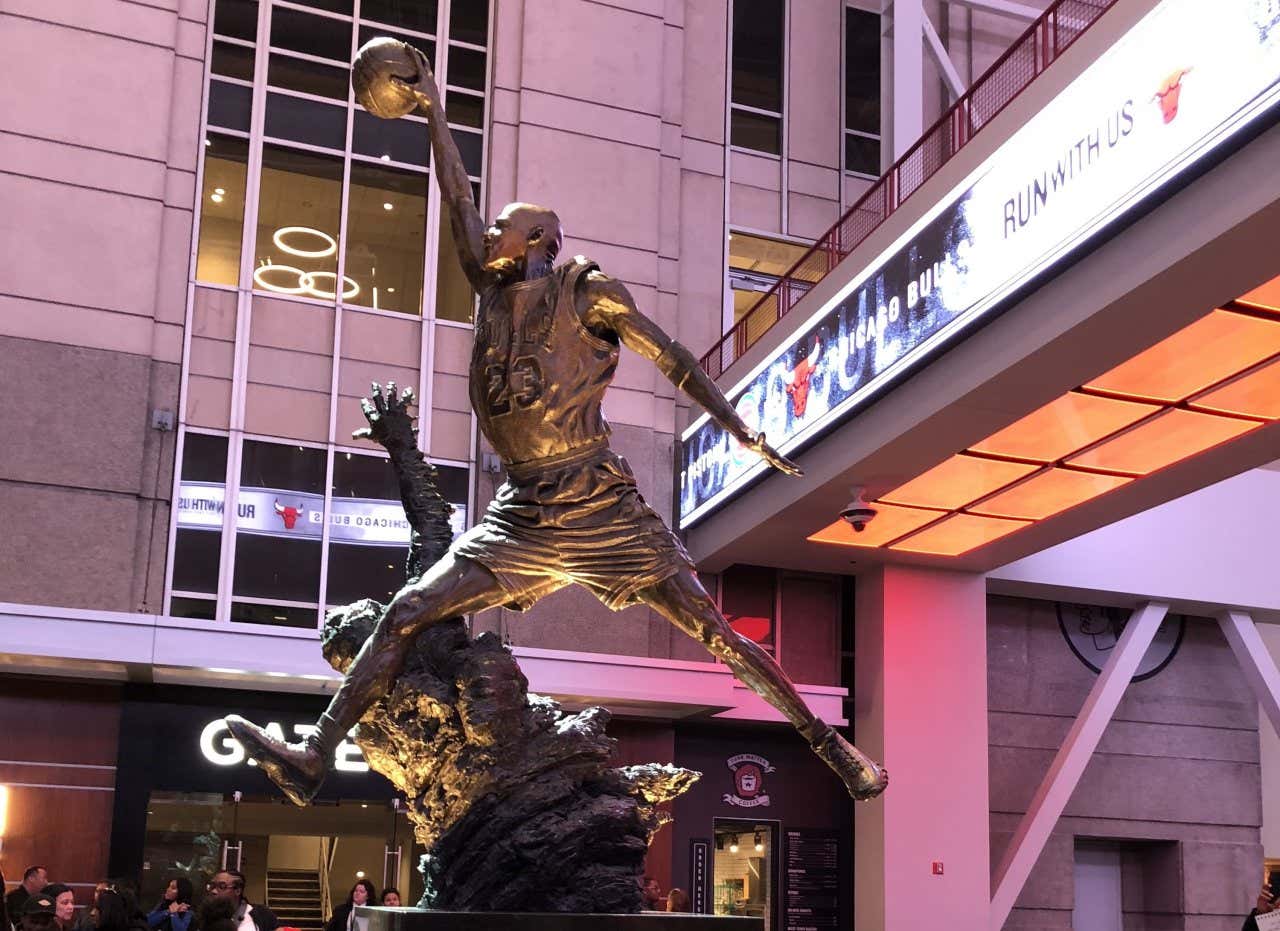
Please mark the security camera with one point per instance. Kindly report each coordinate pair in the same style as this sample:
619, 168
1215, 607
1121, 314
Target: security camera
857, 512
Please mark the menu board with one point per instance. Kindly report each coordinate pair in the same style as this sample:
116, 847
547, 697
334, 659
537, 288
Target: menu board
812, 880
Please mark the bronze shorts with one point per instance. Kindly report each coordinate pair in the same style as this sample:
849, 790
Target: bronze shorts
583, 521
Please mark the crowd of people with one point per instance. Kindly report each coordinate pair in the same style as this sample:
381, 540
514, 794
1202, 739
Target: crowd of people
39, 905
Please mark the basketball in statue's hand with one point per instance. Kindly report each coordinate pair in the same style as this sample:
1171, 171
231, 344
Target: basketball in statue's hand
377, 64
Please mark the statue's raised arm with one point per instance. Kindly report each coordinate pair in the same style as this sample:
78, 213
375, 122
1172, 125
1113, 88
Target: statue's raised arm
391, 79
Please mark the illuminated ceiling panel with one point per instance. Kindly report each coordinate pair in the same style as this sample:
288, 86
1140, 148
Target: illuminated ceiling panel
1267, 296
959, 534
958, 481
1211, 349
1061, 427
1171, 437
891, 522
1048, 493
1256, 395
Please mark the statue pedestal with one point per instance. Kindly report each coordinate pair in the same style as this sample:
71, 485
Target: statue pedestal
414, 919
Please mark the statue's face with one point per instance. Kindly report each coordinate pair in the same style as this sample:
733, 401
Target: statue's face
510, 235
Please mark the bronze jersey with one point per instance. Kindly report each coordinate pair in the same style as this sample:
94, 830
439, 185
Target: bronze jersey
538, 374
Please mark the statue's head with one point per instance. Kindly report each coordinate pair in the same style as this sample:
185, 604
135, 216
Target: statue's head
522, 242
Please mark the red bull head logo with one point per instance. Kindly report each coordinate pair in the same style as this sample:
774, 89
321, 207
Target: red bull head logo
1169, 93
798, 383
289, 515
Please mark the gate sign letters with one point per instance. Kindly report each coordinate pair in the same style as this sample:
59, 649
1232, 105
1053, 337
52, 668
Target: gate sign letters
1184, 81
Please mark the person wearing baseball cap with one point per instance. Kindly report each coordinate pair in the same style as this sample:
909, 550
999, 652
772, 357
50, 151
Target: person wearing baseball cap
39, 913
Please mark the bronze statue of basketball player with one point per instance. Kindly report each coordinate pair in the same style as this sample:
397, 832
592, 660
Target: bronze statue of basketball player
546, 347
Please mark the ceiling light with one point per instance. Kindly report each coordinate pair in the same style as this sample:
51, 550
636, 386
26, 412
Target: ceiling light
216, 198
219, 190
733, 844
1255, 395
957, 481
1215, 347
260, 279
391, 290
1051, 491
385, 158
1062, 426
309, 280
958, 534
387, 205
330, 244
759, 843
1162, 441
208, 141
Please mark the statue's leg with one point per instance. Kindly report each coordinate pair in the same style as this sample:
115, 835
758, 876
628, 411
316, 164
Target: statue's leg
453, 586
682, 600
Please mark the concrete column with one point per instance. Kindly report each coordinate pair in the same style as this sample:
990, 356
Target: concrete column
921, 707
907, 45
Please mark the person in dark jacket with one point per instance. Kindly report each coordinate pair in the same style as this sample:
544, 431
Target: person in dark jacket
173, 912
391, 897
33, 880
1266, 903
229, 885
114, 913
344, 916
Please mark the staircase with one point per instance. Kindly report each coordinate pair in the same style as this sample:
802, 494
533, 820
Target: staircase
294, 895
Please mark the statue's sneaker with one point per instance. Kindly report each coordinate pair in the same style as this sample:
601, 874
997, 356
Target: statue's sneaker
298, 769
863, 778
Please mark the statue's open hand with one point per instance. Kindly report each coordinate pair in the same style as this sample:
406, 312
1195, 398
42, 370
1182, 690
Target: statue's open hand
770, 455
390, 422
424, 88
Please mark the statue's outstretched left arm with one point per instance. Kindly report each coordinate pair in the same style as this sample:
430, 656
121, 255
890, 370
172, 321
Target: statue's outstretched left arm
610, 307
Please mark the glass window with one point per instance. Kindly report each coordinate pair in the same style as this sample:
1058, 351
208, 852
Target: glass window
454, 298
230, 105
755, 265
423, 45
237, 19
743, 862
419, 15
204, 609
386, 236
198, 542
333, 6
749, 130
248, 612
308, 121
299, 208
233, 61
368, 534
466, 68
862, 92
309, 77
465, 109
757, 53
226, 160
279, 522
748, 600
469, 22
312, 35
471, 148
402, 140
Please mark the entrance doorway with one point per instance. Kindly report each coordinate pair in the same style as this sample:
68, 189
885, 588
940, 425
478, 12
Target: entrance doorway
745, 867
300, 862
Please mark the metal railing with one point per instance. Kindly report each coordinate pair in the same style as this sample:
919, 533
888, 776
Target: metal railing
1060, 25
